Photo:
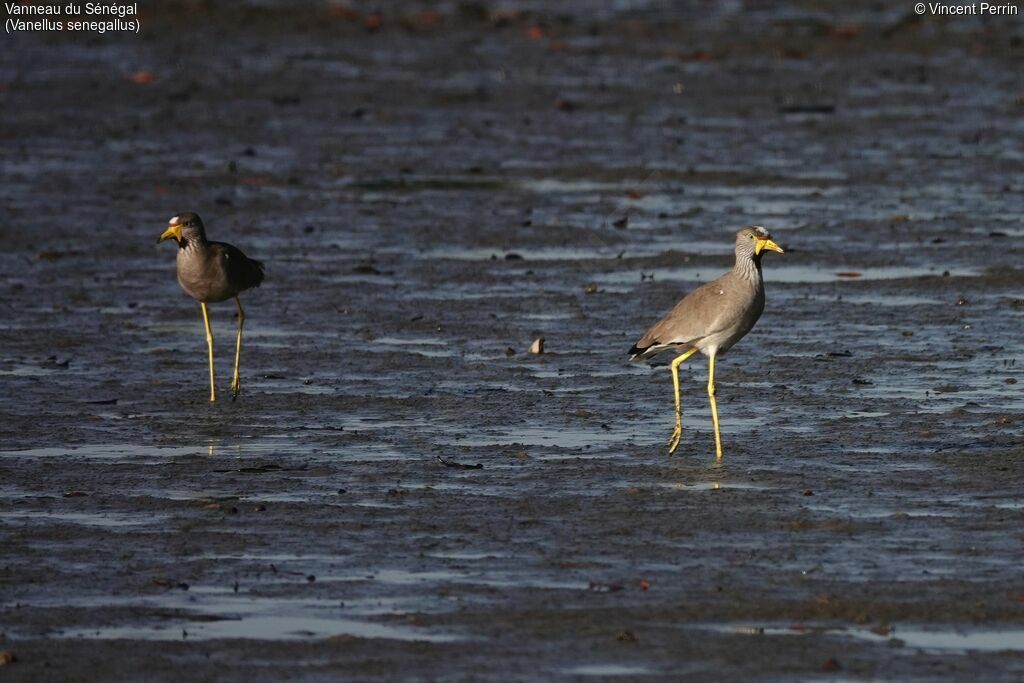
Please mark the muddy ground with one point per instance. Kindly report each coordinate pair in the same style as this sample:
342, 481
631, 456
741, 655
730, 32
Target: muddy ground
432, 187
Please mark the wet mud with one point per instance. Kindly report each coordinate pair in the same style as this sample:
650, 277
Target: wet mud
432, 188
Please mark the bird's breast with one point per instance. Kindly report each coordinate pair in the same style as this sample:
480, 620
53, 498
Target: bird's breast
202, 276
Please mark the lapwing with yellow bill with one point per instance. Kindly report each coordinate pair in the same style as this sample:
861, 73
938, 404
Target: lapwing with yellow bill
211, 272
711, 319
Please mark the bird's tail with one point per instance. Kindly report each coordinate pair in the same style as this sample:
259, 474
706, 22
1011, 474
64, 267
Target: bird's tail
256, 271
638, 353
649, 352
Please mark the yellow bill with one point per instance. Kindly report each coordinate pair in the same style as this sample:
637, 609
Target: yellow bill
767, 244
172, 232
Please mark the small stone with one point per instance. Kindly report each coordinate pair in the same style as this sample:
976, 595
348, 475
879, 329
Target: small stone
882, 629
537, 347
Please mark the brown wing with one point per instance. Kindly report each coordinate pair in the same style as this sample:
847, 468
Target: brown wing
242, 272
696, 316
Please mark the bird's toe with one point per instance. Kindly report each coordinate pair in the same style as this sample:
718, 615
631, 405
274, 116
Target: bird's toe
673, 441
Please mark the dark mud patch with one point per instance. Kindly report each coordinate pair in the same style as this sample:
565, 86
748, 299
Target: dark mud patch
434, 188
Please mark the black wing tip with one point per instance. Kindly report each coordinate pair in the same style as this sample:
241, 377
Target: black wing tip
258, 272
636, 352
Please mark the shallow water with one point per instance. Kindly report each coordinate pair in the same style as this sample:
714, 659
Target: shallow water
787, 274
933, 639
225, 616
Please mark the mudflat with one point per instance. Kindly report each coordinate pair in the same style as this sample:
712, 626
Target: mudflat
432, 189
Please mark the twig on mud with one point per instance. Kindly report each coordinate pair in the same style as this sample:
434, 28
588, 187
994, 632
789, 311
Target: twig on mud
459, 465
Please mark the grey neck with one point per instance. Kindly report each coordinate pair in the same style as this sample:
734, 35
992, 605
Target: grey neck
748, 267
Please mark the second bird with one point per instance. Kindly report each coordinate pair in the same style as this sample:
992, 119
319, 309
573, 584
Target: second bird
210, 272
710, 319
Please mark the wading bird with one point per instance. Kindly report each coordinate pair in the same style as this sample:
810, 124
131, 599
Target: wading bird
711, 319
210, 272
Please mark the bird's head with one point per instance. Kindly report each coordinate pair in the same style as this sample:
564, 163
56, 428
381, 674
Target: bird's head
753, 239
183, 228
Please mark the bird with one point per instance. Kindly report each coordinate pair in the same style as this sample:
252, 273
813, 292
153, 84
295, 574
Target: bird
211, 272
711, 319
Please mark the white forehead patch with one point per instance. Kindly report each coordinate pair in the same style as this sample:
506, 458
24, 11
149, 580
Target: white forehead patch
761, 232
174, 220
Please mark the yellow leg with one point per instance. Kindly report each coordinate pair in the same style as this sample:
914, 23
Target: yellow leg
209, 344
677, 433
236, 386
714, 406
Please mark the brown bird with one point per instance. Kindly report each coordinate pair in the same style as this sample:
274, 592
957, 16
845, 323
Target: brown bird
210, 272
711, 319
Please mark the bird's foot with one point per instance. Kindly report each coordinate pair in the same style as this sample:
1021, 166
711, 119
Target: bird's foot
236, 389
673, 441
